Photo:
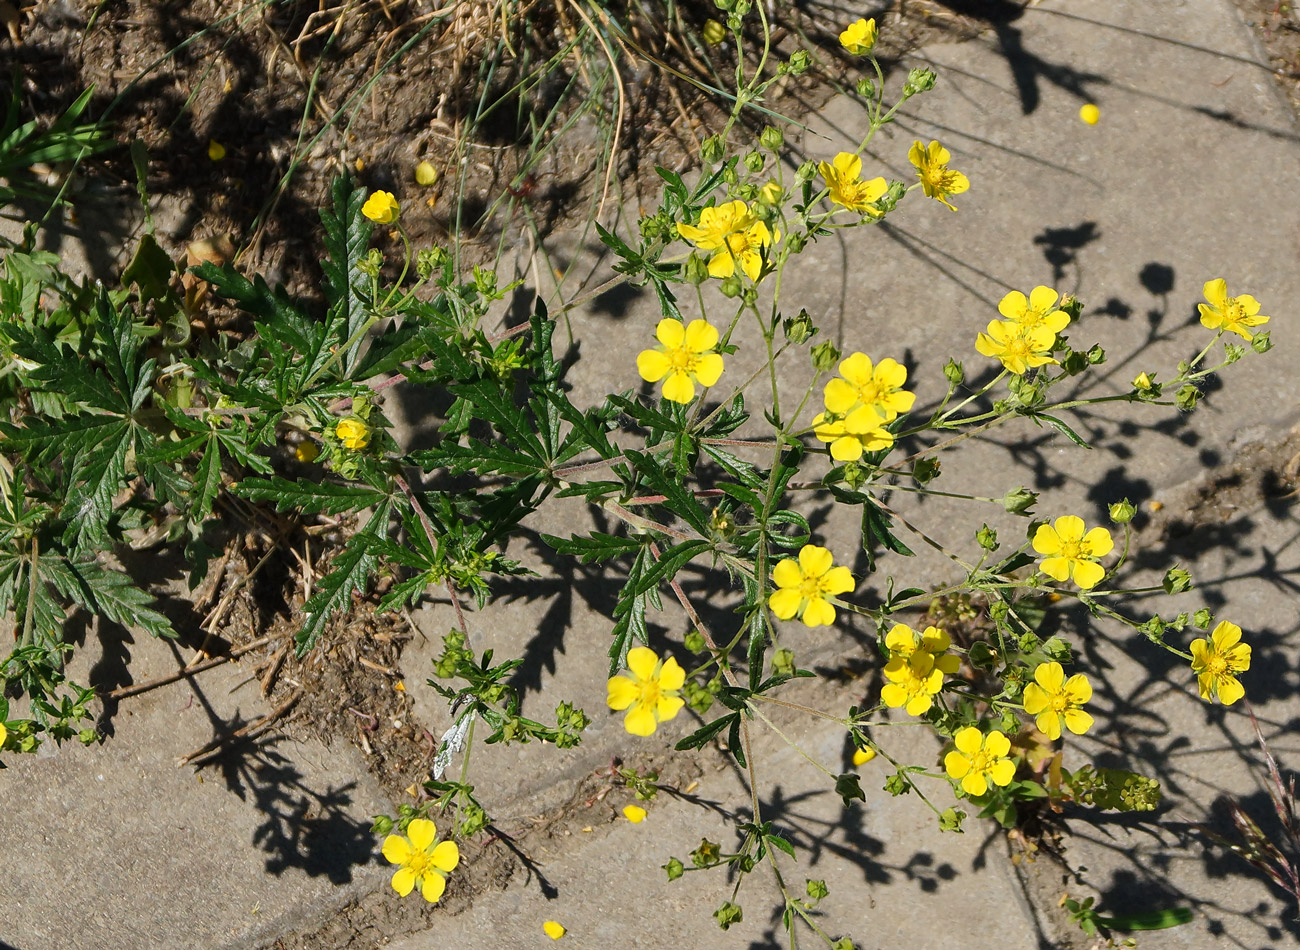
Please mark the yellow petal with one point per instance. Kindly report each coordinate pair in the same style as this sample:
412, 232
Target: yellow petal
846, 449
403, 882
901, 639
1230, 690
396, 849
893, 695
751, 262
1098, 542
1200, 653
634, 813
1013, 305
996, 744
787, 573
968, 740
1078, 689
708, 368
640, 721
1050, 676
622, 692
863, 756
1225, 635
1216, 292
553, 930
814, 560
1049, 722
785, 603
1088, 574
653, 365
1046, 541
818, 613
446, 856
422, 833
1042, 299
668, 706
919, 705
678, 387
642, 662
1077, 721
848, 165
670, 333
838, 580
721, 265
671, 674
1004, 771
1036, 700
701, 336
956, 764
975, 784
433, 886
1069, 528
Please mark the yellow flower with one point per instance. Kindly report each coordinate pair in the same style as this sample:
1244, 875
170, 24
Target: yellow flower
863, 756
804, 585
1054, 699
735, 235
859, 37
216, 151
425, 174
421, 861
1039, 310
381, 207
903, 643
553, 930
685, 357
1019, 350
1236, 314
912, 683
307, 451
843, 178
714, 32
881, 388
979, 758
634, 813
1142, 382
353, 433
1072, 552
651, 692
1215, 662
862, 430
938, 181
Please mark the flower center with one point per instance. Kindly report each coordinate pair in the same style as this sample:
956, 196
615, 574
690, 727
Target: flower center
1060, 702
870, 393
649, 692
1234, 312
1072, 550
810, 587
1018, 348
737, 243
1218, 664
979, 762
418, 863
681, 359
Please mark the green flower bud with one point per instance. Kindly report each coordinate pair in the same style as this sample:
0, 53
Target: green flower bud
998, 610
746, 192
1018, 501
799, 62
712, 150
1233, 352
428, 261
1122, 512
987, 538
866, 89
771, 138
854, 475
1153, 629
696, 269
816, 889
919, 80
1096, 355
1261, 343
714, 33
825, 356
731, 287
926, 470
754, 162
797, 242
750, 296
675, 869
382, 825
695, 642
1176, 581
371, 263
1187, 397
799, 328
1203, 618
805, 172
729, 175
783, 662
950, 819
953, 372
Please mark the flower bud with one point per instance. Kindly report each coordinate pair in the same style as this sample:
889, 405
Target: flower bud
353, 433
1187, 397
805, 172
1142, 382
799, 62
731, 287
729, 175
1233, 352
696, 270
770, 194
866, 89
796, 242
382, 825
429, 260
953, 372
798, 328
675, 869
771, 138
371, 263
1122, 512
1203, 618
712, 150
1261, 343
695, 642
382, 208
425, 174
919, 80
987, 538
714, 32
1176, 581
754, 162
861, 757
1018, 501
825, 356
1096, 355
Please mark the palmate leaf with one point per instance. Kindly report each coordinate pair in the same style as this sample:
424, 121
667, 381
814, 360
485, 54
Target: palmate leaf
309, 497
347, 235
352, 570
101, 590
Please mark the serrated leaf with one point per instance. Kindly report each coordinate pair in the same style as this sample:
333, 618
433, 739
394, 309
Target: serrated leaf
111, 593
594, 547
351, 572
309, 497
347, 237
705, 733
1060, 426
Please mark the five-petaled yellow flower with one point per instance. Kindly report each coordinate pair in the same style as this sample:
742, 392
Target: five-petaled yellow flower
1071, 551
353, 433
938, 181
736, 237
381, 207
804, 585
847, 189
879, 388
903, 643
1019, 350
859, 37
862, 430
1235, 314
912, 683
422, 862
1216, 662
1038, 310
650, 694
686, 357
1056, 700
978, 759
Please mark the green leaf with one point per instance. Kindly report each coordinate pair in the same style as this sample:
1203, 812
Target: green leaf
594, 547
347, 237
207, 480
849, 787
352, 570
876, 531
108, 592
309, 497
777, 841
1148, 920
1061, 427
705, 733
